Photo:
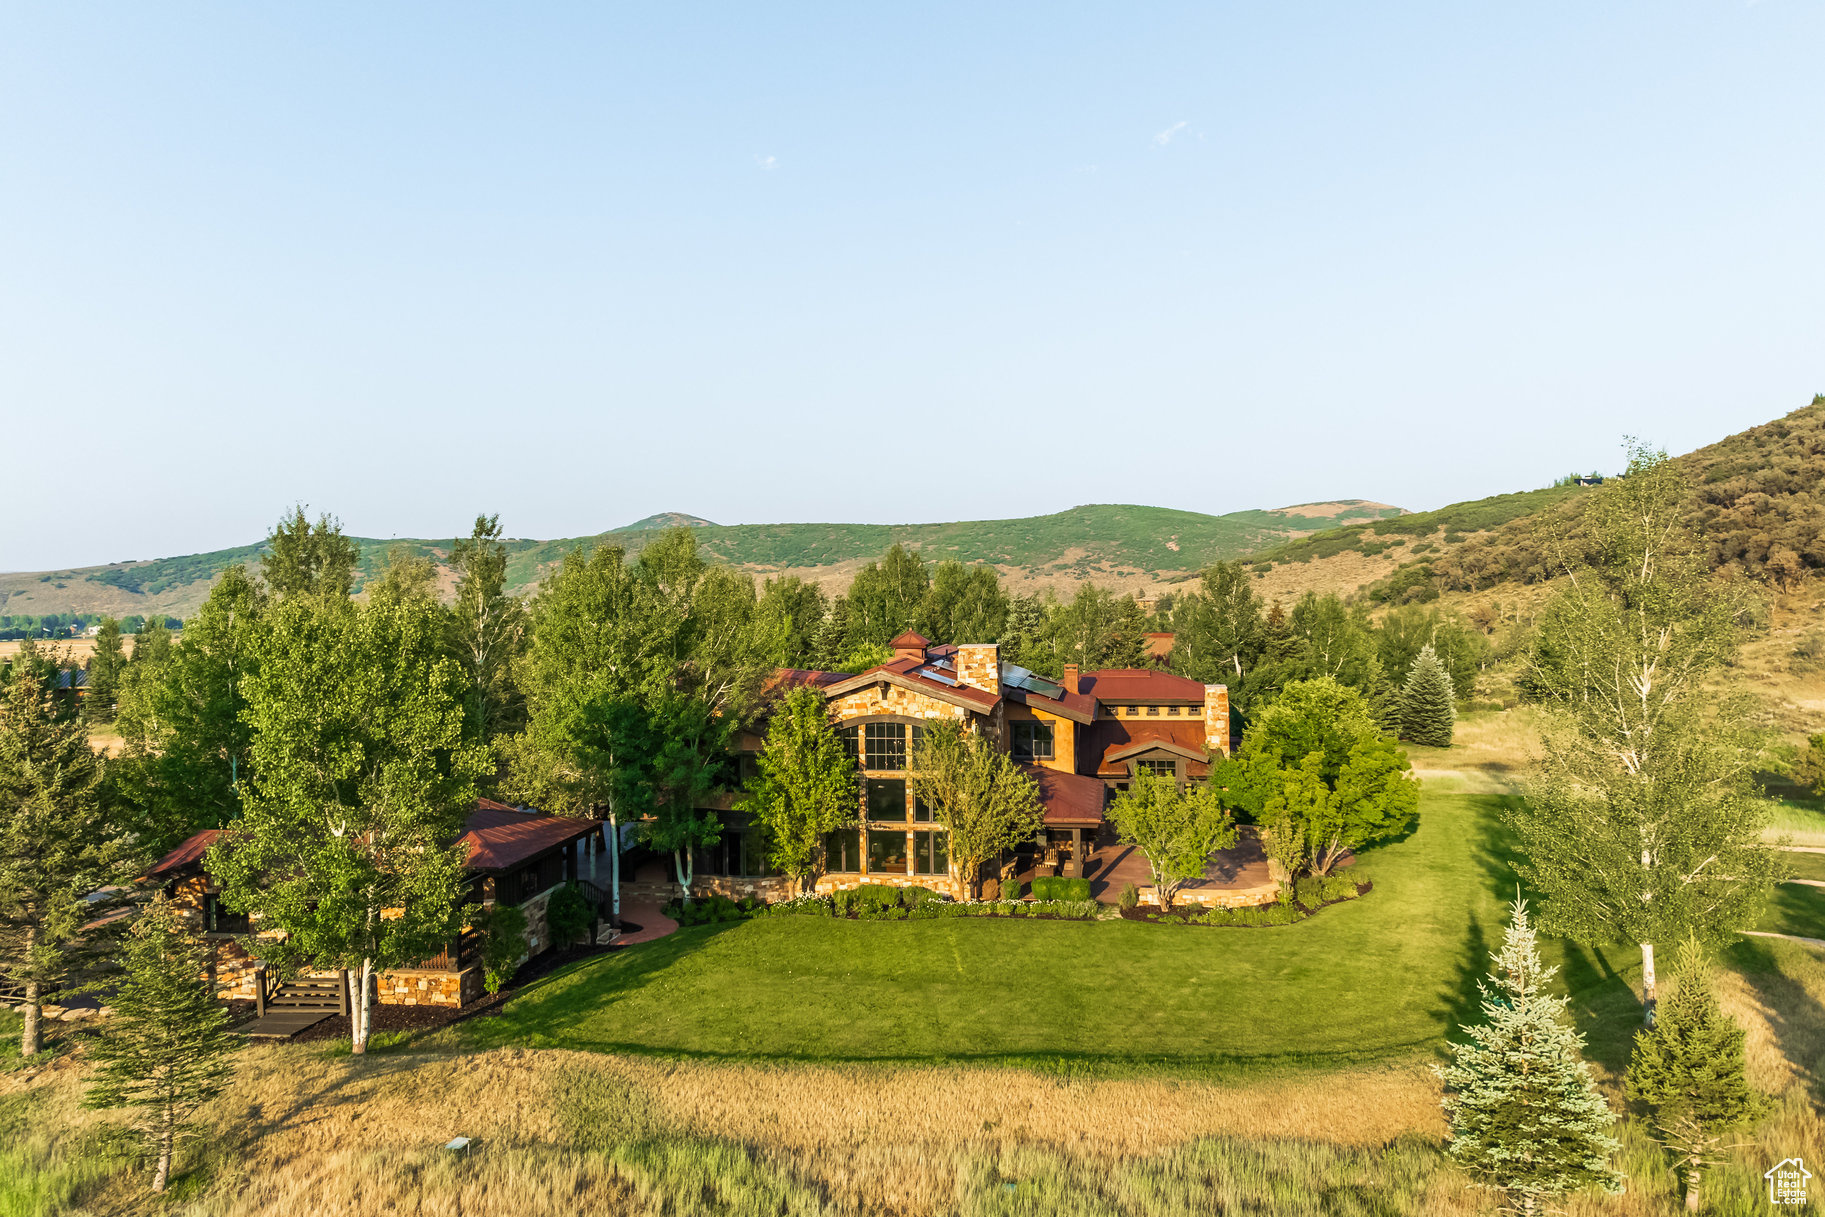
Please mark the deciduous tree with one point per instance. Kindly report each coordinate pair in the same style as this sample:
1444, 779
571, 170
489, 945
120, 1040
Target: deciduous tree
1640, 825
487, 630
1176, 829
187, 745
806, 786
166, 1049
977, 793
1315, 765
309, 559
1526, 1117
362, 778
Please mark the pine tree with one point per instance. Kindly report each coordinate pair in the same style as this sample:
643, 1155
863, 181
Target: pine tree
1427, 707
165, 1050
1688, 1071
1526, 1117
105, 668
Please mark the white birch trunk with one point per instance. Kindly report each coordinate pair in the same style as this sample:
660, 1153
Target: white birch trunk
685, 875
1649, 992
161, 1175
614, 867
358, 1012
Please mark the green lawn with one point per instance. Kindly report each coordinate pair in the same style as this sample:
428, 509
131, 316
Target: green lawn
1385, 975
1806, 866
1796, 909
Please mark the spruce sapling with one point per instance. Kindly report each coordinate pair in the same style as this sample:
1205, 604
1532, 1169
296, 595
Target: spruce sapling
1526, 1118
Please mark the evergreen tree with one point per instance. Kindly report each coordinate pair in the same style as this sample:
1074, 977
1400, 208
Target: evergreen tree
106, 667
1427, 708
1023, 633
833, 636
1526, 1116
152, 645
487, 630
1688, 1072
166, 1050
309, 559
58, 847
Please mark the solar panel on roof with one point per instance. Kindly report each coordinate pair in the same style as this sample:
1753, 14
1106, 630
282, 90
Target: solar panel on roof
1046, 688
1031, 681
940, 677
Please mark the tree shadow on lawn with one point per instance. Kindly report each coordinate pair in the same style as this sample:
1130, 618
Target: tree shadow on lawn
1795, 1017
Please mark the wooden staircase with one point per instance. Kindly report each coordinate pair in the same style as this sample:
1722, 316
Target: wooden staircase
291, 1006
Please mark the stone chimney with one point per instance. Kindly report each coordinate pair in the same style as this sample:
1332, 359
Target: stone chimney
979, 666
1216, 719
1070, 680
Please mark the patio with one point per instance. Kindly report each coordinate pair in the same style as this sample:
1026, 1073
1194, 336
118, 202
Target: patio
1109, 865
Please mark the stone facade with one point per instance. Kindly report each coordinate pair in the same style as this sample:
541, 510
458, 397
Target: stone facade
426, 988
1216, 720
979, 666
876, 700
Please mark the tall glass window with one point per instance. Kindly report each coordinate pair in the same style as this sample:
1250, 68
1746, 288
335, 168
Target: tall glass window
884, 745
931, 856
887, 799
843, 851
852, 741
887, 851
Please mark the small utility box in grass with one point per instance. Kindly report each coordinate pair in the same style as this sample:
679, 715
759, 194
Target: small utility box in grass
459, 1146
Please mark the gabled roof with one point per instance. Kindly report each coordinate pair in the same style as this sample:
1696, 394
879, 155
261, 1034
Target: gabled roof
185, 856
1070, 799
908, 639
912, 674
1108, 744
786, 679
1139, 684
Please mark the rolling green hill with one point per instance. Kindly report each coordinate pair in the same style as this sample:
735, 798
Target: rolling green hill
1105, 541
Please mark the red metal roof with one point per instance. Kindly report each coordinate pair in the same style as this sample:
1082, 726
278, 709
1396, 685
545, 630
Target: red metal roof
499, 837
786, 679
1069, 798
502, 837
907, 672
190, 853
1139, 684
909, 639
1108, 742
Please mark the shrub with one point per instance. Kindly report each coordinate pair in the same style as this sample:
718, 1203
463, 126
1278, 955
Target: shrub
896, 913
1130, 897
1309, 891
1339, 887
503, 930
991, 889
1261, 914
876, 897
1010, 889
917, 897
706, 910
567, 914
803, 906
1055, 887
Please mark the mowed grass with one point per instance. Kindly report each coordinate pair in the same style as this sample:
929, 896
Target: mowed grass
1386, 975
1806, 865
1796, 908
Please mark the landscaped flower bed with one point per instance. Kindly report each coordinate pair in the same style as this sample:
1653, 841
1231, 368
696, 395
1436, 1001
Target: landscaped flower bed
1309, 895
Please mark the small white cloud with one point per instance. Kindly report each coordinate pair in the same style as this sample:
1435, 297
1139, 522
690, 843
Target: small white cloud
767, 163
1165, 137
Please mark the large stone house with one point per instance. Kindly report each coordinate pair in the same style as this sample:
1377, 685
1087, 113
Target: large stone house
516, 857
1080, 739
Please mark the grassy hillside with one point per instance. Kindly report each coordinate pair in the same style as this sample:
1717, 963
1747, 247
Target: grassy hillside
1097, 541
1758, 500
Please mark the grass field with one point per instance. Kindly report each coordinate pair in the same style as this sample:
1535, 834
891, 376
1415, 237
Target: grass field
1796, 909
1806, 865
802, 988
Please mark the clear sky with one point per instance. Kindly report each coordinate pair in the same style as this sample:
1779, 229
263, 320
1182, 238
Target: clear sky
764, 262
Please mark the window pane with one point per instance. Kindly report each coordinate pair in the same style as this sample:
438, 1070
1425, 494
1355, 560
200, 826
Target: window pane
851, 742
844, 851
1158, 768
884, 745
921, 812
887, 851
887, 799
929, 854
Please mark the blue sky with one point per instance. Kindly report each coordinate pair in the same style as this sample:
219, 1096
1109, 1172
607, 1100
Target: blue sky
580, 263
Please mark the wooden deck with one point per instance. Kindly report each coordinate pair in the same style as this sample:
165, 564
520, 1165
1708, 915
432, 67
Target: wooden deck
283, 1024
